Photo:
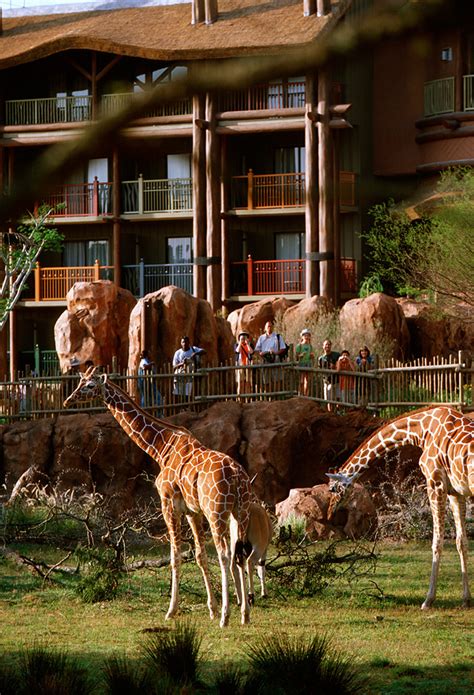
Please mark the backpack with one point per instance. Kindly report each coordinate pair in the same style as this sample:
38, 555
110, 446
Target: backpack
284, 355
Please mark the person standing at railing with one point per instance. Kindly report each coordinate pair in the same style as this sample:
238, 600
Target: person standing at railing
185, 361
328, 360
243, 358
271, 347
147, 386
364, 362
305, 354
346, 382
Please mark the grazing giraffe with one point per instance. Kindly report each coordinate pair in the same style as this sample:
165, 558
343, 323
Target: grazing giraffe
446, 438
193, 480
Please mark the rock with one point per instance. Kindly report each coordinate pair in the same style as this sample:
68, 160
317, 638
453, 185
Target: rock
357, 520
25, 444
432, 335
168, 314
305, 314
95, 325
376, 320
253, 317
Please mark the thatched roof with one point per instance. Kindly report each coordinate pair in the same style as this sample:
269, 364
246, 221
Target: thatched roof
243, 28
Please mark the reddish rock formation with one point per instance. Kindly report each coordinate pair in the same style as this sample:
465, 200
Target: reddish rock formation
432, 335
253, 317
358, 518
160, 319
305, 314
376, 319
95, 324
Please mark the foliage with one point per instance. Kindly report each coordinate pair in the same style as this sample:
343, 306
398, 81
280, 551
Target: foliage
46, 671
174, 654
100, 575
19, 251
281, 665
370, 284
292, 527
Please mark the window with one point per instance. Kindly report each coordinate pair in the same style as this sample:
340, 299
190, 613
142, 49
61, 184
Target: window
179, 250
85, 253
289, 245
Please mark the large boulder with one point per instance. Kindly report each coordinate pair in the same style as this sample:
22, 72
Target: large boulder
357, 519
432, 335
377, 320
253, 317
94, 325
160, 319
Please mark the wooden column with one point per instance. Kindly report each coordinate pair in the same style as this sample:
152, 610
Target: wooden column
309, 7
94, 97
323, 7
326, 235
213, 177
210, 11
197, 10
336, 217
12, 337
224, 223
199, 196
311, 178
116, 216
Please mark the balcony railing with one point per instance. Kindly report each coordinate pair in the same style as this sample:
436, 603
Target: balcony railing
143, 278
260, 191
59, 109
81, 199
157, 195
439, 96
54, 283
275, 95
282, 277
112, 103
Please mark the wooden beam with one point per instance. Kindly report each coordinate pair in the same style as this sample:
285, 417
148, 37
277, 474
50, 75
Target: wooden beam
326, 231
213, 177
108, 67
199, 196
311, 182
79, 68
116, 216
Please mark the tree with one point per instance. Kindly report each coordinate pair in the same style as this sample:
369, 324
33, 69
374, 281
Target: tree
19, 251
432, 255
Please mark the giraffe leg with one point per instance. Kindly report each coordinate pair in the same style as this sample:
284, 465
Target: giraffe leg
458, 506
251, 562
241, 583
261, 575
437, 499
195, 523
219, 535
173, 523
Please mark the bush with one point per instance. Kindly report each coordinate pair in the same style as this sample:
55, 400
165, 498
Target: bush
174, 654
100, 576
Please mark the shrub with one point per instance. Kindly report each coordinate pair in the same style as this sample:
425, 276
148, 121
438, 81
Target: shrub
100, 577
174, 654
46, 671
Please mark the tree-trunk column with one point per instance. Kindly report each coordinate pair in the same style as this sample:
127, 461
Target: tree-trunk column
326, 232
199, 197
225, 267
214, 258
116, 216
311, 206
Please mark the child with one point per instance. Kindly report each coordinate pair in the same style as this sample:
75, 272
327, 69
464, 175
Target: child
304, 356
346, 382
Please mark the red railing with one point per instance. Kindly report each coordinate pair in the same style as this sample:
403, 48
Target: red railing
260, 191
54, 283
282, 277
91, 199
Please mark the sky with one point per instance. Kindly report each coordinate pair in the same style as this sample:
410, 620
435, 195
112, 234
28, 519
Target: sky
23, 7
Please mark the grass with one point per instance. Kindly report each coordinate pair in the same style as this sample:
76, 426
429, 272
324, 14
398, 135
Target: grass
377, 624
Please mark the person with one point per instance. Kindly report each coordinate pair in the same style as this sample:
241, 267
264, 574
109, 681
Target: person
328, 360
270, 347
147, 387
364, 362
346, 382
304, 354
243, 357
186, 359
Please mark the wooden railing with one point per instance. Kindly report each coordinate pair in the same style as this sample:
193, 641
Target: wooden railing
252, 277
59, 109
157, 195
260, 191
112, 103
144, 278
54, 283
92, 199
274, 95
468, 92
439, 96
386, 390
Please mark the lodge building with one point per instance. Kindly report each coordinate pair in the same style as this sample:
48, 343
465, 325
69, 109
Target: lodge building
232, 195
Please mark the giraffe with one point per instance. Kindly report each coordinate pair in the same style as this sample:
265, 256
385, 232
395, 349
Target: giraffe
446, 440
193, 480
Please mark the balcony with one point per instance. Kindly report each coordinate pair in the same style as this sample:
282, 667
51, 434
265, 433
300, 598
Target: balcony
266, 191
113, 103
60, 109
145, 196
273, 96
81, 199
440, 96
143, 278
53, 284
283, 277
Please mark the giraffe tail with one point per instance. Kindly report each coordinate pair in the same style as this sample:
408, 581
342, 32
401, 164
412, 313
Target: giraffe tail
242, 551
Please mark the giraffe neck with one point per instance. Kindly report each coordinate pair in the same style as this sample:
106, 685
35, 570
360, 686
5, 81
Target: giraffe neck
151, 434
409, 429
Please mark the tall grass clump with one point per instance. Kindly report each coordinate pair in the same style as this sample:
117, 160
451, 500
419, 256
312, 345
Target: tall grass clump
282, 665
174, 654
45, 671
292, 527
122, 676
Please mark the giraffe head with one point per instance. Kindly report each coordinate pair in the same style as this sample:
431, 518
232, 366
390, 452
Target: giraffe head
339, 487
89, 388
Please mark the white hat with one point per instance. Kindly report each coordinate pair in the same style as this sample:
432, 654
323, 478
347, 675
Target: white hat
305, 331
74, 362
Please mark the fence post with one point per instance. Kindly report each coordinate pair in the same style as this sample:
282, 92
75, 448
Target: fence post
459, 368
249, 275
95, 197
37, 282
140, 194
376, 389
37, 360
250, 190
96, 270
141, 278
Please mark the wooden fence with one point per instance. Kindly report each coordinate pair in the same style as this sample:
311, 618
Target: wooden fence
387, 390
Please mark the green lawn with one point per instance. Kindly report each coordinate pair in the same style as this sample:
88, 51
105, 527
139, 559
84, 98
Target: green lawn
377, 622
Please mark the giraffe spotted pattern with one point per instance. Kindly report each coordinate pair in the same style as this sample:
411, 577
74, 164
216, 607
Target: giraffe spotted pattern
193, 480
446, 440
